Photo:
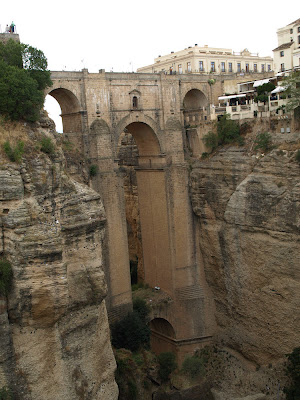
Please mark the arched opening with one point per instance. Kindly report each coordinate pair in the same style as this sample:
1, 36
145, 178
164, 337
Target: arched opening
54, 111
134, 102
141, 163
162, 336
194, 100
70, 110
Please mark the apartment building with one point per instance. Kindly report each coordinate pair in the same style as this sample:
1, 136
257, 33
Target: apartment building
209, 60
287, 54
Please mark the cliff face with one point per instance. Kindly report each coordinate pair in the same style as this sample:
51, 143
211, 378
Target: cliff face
55, 341
248, 222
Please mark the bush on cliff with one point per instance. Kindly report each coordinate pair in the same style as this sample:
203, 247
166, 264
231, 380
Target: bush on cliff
23, 77
6, 277
5, 394
132, 331
167, 365
293, 371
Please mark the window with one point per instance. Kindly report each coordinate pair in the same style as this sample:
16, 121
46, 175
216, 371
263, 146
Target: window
269, 67
238, 67
180, 69
255, 67
262, 67
281, 53
298, 28
134, 102
189, 67
282, 67
230, 67
222, 67
212, 66
201, 66
299, 39
291, 30
247, 67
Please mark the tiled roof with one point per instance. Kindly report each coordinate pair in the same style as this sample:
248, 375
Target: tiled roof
284, 46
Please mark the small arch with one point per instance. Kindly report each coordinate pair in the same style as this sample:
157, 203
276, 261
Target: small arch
70, 109
163, 327
194, 99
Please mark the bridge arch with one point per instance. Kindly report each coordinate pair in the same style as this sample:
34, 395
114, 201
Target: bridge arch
70, 109
162, 336
194, 99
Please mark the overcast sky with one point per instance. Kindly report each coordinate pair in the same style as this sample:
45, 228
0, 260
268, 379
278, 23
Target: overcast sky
125, 35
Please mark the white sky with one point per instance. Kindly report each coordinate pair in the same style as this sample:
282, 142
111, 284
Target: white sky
124, 35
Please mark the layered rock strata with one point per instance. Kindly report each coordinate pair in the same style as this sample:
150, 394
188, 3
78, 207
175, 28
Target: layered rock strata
248, 224
55, 341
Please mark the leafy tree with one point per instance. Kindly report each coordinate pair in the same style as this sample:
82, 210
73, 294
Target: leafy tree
292, 85
228, 130
167, 364
130, 333
23, 77
293, 371
263, 92
141, 308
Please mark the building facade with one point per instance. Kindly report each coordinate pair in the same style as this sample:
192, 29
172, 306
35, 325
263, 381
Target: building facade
287, 54
209, 60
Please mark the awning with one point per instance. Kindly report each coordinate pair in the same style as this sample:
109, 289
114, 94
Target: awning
259, 83
279, 89
234, 96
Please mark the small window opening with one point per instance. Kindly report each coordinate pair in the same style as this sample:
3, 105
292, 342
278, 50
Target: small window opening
134, 102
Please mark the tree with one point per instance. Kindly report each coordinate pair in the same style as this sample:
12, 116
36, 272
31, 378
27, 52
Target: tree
292, 85
23, 77
263, 92
167, 364
228, 130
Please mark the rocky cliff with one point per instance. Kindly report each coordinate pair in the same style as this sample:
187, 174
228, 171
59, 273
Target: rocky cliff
247, 207
54, 331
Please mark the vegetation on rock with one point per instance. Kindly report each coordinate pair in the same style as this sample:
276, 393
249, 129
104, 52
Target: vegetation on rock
132, 331
293, 371
167, 365
263, 141
23, 77
292, 85
5, 394
14, 153
6, 277
227, 131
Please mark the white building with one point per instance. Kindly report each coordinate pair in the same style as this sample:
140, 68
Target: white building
287, 54
209, 60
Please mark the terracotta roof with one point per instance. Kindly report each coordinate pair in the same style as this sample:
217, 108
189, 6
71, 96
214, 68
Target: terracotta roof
284, 46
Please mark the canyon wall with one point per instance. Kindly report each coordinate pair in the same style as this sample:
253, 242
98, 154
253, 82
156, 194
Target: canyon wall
247, 208
55, 340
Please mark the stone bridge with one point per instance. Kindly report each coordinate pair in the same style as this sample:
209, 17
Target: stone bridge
97, 108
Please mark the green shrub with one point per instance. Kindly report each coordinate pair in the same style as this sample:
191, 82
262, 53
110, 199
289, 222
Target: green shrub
93, 170
14, 153
210, 140
297, 157
6, 277
167, 365
47, 145
204, 155
5, 394
193, 366
141, 308
130, 333
228, 131
263, 142
293, 372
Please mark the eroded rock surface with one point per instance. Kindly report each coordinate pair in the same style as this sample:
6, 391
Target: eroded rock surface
55, 341
248, 214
